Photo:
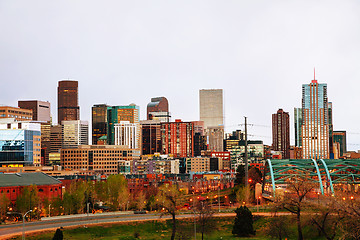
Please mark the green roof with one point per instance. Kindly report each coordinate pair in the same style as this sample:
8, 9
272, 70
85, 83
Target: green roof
104, 137
26, 179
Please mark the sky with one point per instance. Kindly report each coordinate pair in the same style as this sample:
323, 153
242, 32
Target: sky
122, 52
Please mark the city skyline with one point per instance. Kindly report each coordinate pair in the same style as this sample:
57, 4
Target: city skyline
251, 52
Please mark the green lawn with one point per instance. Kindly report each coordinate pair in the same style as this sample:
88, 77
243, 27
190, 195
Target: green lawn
153, 230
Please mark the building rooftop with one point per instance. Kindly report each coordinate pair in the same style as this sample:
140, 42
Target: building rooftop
26, 179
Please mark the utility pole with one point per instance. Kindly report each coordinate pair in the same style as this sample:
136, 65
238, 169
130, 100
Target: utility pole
246, 166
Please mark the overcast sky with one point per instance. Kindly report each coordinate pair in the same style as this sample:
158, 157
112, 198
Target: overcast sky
121, 52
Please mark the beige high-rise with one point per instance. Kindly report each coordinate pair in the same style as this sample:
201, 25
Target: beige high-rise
211, 107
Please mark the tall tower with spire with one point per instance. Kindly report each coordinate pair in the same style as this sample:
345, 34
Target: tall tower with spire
315, 120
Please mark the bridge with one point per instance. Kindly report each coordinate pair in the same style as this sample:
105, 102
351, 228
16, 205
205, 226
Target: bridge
327, 174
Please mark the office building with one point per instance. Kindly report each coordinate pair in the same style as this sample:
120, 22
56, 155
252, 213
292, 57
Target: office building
297, 124
211, 107
340, 138
116, 114
315, 127
158, 109
127, 134
40, 109
74, 133
102, 159
20, 143
177, 138
151, 137
281, 133
18, 113
215, 137
99, 122
197, 164
45, 142
68, 105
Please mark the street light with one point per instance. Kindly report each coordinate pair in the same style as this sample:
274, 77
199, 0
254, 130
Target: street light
23, 227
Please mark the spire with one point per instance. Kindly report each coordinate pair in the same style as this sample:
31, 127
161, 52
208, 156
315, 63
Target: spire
314, 81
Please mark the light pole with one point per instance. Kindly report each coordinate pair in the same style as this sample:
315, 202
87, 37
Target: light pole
23, 227
193, 200
49, 209
219, 195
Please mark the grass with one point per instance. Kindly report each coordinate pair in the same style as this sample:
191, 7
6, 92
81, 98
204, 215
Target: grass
161, 229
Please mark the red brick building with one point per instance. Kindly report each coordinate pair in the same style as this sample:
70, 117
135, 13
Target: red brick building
12, 185
177, 138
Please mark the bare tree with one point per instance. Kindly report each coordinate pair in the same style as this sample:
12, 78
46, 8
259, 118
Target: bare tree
204, 217
298, 188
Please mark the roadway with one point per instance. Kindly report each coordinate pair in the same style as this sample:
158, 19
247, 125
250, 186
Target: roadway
52, 223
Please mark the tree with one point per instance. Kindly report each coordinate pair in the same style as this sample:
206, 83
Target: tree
168, 198
277, 227
204, 217
294, 198
4, 204
117, 191
58, 235
240, 175
140, 201
243, 225
327, 218
28, 199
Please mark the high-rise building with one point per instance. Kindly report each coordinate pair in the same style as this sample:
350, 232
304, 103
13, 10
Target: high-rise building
56, 137
116, 114
18, 113
99, 122
177, 138
315, 127
298, 124
151, 137
216, 138
126, 134
20, 143
281, 133
74, 133
40, 109
68, 106
45, 142
340, 138
330, 124
211, 107
158, 109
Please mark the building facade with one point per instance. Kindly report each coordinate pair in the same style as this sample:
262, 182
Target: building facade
315, 126
20, 143
18, 113
281, 133
116, 114
40, 109
151, 137
127, 134
215, 136
74, 133
211, 107
177, 138
340, 140
103, 159
68, 102
99, 122
297, 124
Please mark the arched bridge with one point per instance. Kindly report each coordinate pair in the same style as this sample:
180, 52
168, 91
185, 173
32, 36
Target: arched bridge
326, 173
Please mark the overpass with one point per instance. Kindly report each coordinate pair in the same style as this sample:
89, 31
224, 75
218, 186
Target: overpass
325, 173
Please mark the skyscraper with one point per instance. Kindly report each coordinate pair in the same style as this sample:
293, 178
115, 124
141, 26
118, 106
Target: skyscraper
99, 122
74, 133
340, 142
298, 124
211, 107
158, 109
315, 126
126, 134
281, 133
151, 137
116, 114
40, 109
177, 138
68, 106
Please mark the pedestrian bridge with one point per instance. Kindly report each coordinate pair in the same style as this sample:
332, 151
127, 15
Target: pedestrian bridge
328, 174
